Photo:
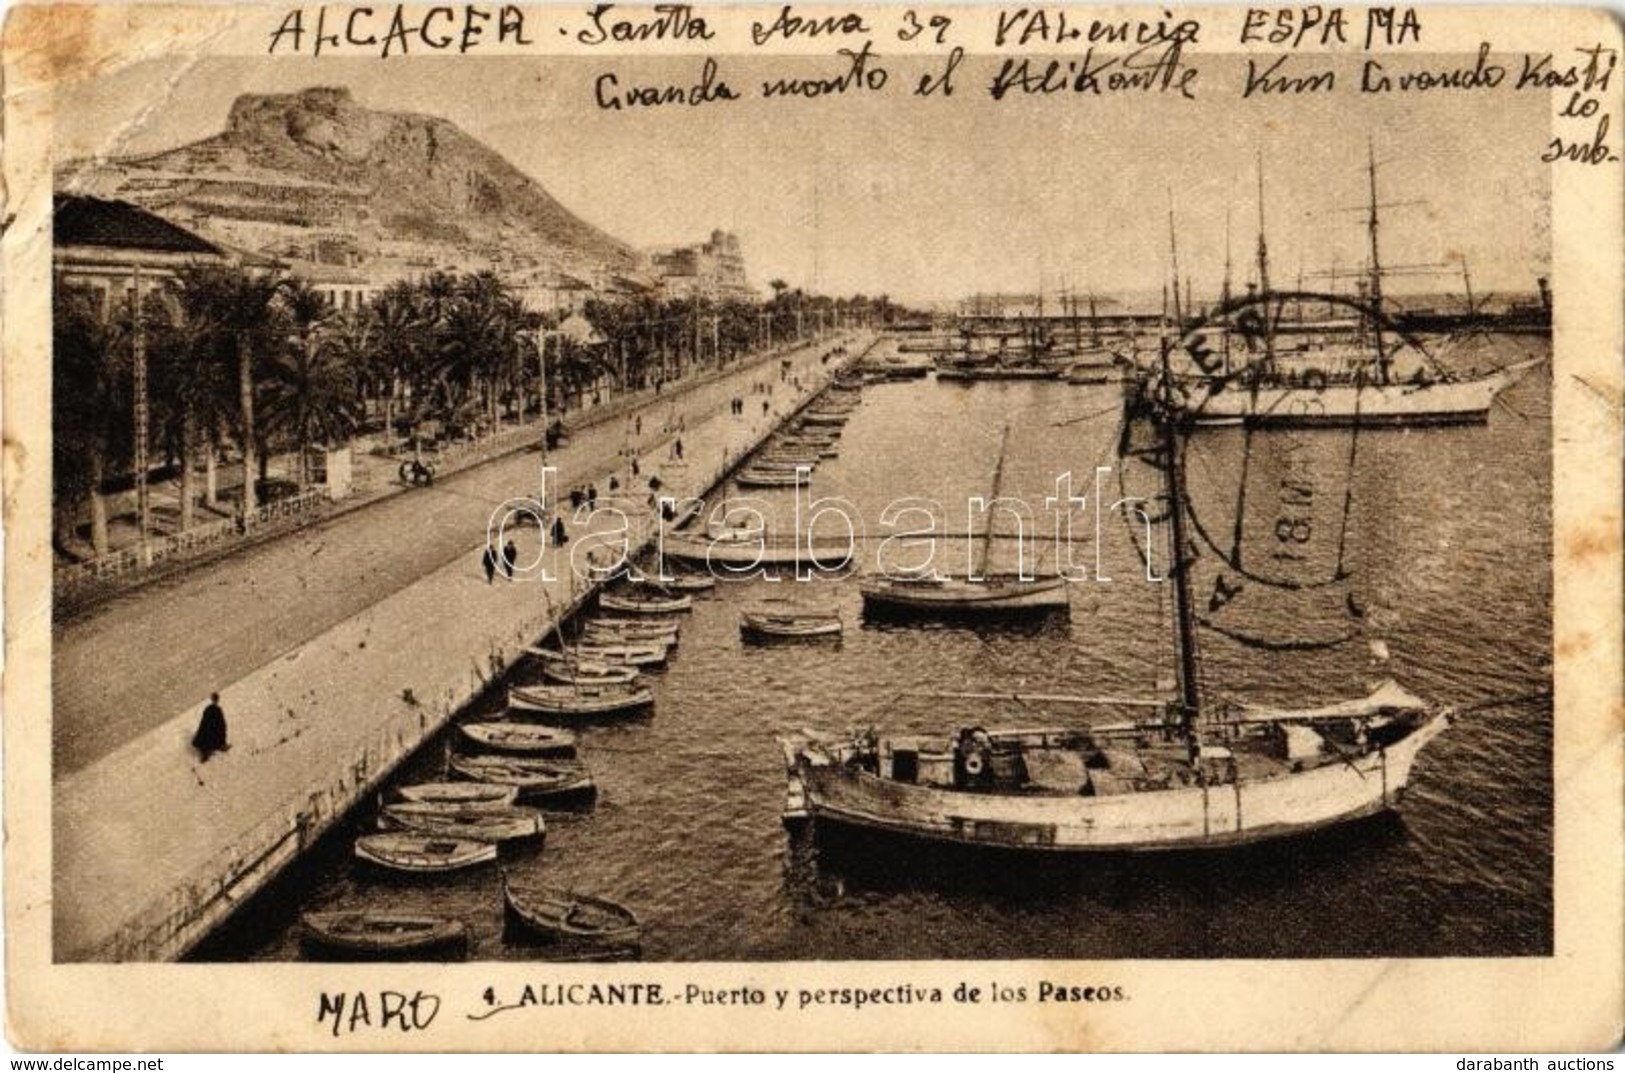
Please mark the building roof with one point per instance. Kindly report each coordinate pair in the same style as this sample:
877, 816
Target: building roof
78, 220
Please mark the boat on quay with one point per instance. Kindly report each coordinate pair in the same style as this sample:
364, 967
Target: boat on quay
1156, 774
557, 914
527, 739
533, 779
366, 935
423, 854
464, 794
785, 620
509, 823
978, 592
580, 700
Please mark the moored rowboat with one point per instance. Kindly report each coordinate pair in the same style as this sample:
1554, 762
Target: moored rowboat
645, 604
579, 700
583, 673
423, 854
483, 823
526, 738
789, 623
458, 793
364, 935
559, 914
532, 778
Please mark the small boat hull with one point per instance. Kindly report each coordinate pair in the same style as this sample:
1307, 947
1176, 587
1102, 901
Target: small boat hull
580, 700
373, 936
457, 793
525, 739
415, 854
951, 596
533, 780
761, 626
481, 823
646, 605
554, 914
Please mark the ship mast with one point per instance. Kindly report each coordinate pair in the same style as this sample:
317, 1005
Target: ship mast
1178, 563
1264, 273
987, 531
1383, 357
1224, 294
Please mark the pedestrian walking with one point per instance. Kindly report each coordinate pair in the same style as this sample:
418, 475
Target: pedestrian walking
637, 425
559, 536
489, 561
634, 466
678, 447
614, 483
575, 497
510, 555
764, 407
211, 730
592, 496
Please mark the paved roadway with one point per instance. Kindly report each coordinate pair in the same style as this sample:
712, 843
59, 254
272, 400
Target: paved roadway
130, 665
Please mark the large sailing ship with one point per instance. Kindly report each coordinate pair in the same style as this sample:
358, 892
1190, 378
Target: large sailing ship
1155, 774
1360, 368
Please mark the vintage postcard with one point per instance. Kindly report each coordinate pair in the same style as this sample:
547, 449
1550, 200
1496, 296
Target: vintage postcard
892, 527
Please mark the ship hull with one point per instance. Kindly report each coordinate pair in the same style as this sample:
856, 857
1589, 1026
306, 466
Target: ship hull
959, 595
1443, 403
1190, 818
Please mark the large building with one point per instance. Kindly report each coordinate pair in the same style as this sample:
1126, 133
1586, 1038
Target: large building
713, 270
105, 247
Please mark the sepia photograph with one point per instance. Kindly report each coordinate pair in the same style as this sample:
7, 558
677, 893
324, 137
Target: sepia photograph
627, 495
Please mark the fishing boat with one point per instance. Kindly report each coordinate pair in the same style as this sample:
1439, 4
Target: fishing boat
1158, 774
365, 935
1371, 372
561, 915
785, 620
577, 672
647, 602
533, 779
457, 793
423, 854
977, 592
762, 549
482, 823
580, 700
526, 739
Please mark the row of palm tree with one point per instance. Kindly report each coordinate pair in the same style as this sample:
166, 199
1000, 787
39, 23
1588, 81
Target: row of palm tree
241, 359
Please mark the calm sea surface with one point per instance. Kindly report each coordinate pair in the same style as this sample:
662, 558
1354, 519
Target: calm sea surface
1435, 542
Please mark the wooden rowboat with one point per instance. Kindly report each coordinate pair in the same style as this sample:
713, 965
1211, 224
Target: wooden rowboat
641, 654
363, 935
645, 604
525, 738
531, 777
789, 623
583, 700
458, 793
483, 823
423, 854
584, 673
762, 478
677, 583
561, 915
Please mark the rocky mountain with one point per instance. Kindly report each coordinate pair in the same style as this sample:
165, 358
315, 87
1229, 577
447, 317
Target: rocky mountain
314, 175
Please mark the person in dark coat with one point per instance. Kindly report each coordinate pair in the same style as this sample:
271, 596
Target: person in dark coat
592, 497
510, 555
559, 537
489, 561
211, 730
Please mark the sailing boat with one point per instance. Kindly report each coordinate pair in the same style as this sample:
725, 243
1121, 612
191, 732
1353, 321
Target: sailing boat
1376, 375
1160, 775
974, 593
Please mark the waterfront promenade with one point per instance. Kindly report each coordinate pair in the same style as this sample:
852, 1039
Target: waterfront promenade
337, 651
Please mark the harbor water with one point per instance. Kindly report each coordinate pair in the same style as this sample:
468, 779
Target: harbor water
1425, 557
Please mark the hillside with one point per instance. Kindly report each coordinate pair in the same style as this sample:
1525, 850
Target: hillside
314, 175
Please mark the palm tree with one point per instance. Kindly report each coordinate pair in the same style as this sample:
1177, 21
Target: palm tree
89, 396
310, 387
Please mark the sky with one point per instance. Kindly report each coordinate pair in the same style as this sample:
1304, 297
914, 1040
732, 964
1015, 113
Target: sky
935, 199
